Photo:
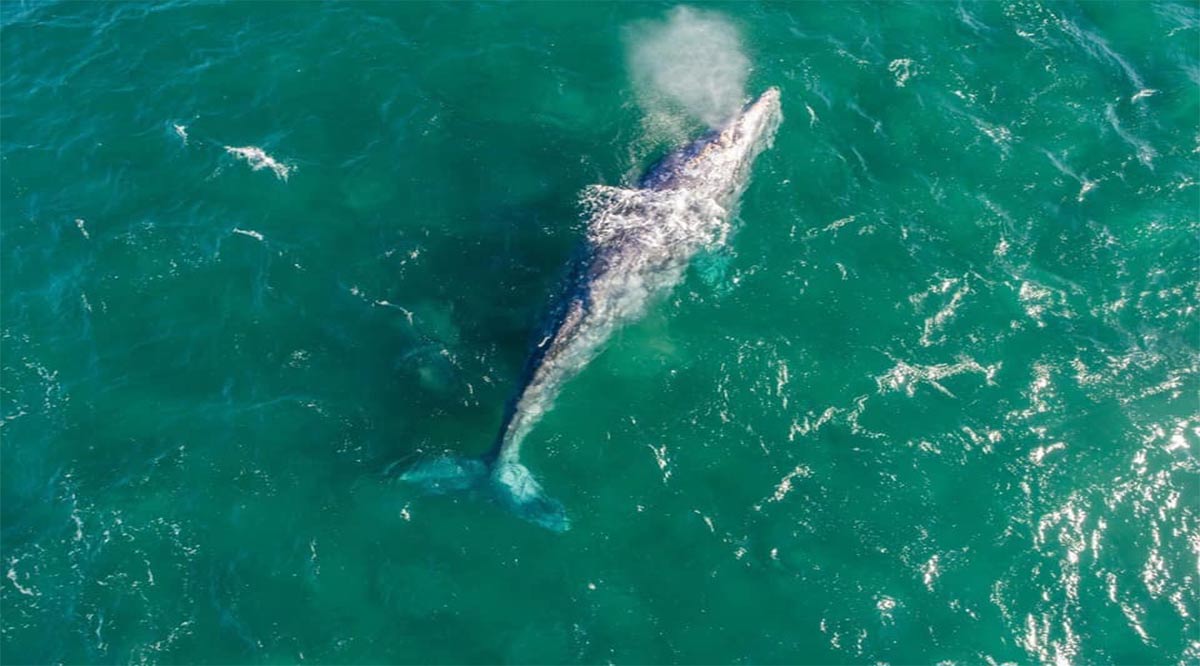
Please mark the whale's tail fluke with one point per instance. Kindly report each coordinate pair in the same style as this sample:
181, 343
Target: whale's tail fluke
515, 486
509, 482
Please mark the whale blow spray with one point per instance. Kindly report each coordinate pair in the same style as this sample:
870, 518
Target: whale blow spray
692, 62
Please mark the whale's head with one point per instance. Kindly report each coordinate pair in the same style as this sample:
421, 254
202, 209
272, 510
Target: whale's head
754, 125
717, 165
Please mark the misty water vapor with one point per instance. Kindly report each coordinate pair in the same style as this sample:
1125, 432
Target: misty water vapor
691, 62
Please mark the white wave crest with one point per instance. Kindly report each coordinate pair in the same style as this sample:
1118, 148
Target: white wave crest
258, 159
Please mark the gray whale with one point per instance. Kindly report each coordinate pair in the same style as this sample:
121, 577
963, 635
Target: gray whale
639, 243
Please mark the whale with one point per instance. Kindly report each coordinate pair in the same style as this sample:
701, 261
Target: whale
638, 245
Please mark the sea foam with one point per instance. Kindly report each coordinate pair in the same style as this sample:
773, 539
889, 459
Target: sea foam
258, 159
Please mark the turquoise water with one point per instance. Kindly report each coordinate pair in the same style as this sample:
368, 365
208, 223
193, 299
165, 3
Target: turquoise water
935, 402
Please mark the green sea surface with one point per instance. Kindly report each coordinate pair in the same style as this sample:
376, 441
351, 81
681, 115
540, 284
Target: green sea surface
935, 402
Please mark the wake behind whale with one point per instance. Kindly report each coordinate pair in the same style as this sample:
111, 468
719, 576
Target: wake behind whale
639, 242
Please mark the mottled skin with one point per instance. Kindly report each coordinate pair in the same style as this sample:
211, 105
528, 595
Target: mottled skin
639, 244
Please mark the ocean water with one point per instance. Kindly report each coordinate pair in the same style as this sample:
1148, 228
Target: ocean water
936, 401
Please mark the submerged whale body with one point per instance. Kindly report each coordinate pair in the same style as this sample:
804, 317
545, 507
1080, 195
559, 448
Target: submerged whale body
639, 242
